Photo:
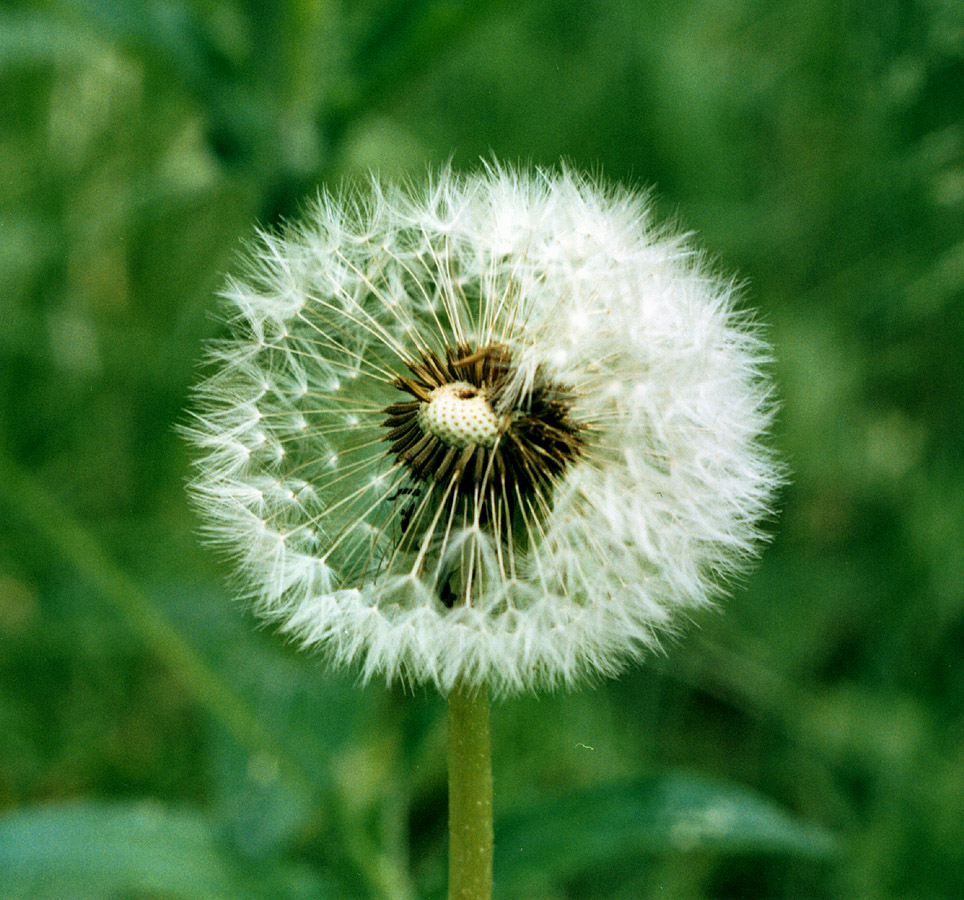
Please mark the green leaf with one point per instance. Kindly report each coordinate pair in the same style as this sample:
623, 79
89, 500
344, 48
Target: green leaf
170, 32
27, 40
310, 713
98, 851
583, 832
260, 813
174, 38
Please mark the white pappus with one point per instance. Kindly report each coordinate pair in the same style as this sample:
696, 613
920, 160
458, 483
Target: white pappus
495, 429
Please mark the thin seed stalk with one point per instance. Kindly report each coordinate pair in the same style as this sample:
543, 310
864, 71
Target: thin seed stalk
470, 795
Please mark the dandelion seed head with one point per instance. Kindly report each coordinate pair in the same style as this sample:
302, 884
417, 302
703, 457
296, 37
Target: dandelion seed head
499, 429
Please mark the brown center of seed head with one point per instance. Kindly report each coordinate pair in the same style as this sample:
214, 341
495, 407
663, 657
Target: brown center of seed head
450, 438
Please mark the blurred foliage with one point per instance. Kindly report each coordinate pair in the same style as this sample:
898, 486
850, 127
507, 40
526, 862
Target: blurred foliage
155, 743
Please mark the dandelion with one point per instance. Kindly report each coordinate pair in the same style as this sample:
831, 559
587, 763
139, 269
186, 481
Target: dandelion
496, 432
499, 431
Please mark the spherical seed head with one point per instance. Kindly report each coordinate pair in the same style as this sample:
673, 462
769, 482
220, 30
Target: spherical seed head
499, 430
458, 414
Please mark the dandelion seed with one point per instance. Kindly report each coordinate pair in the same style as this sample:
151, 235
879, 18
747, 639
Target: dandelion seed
524, 426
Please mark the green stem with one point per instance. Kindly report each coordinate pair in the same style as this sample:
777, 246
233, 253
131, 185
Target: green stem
470, 795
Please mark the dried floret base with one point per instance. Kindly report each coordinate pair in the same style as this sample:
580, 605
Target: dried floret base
470, 794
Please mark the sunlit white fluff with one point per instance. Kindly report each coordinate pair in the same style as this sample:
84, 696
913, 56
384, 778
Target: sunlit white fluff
659, 510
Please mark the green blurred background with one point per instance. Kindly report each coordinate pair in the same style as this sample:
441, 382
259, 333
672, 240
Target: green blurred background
805, 742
